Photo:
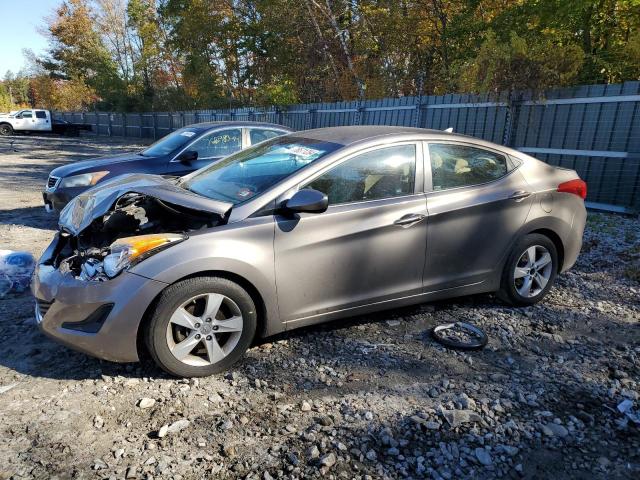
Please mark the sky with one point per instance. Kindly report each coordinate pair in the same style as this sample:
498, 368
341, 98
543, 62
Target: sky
19, 23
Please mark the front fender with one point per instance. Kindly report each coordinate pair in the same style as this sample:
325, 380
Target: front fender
244, 249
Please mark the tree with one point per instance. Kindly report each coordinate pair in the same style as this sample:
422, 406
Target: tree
520, 66
78, 53
6, 104
184, 54
148, 49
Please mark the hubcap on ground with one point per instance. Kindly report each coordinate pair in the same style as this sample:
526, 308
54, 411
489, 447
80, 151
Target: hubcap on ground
204, 329
533, 271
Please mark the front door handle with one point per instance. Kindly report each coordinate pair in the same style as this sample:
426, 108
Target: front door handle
409, 219
520, 195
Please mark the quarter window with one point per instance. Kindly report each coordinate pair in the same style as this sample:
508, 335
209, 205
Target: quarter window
219, 144
258, 135
384, 173
462, 166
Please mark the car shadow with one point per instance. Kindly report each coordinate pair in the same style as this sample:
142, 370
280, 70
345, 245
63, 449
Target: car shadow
480, 300
28, 351
36, 355
33, 217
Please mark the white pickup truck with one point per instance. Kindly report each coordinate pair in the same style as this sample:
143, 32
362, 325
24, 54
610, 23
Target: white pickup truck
37, 121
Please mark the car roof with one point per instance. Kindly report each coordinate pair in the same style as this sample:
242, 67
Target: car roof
353, 134
350, 135
236, 123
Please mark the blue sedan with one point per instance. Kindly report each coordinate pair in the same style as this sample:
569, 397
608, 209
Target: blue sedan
179, 153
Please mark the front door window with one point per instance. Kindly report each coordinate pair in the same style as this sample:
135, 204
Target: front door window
384, 173
218, 144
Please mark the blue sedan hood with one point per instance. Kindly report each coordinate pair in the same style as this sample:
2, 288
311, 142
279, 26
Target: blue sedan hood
95, 202
94, 164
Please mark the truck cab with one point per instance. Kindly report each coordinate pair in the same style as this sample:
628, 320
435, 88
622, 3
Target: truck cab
26, 120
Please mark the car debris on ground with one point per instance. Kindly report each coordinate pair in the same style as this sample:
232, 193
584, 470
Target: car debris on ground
16, 269
460, 335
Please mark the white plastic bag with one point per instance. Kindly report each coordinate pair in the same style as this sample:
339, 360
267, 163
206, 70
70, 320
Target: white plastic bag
16, 269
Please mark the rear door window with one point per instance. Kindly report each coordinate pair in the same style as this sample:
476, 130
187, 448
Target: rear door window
257, 135
455, 165
41, 114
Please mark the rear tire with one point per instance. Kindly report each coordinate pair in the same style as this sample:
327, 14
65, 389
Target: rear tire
6, 130
530, 271
201, 326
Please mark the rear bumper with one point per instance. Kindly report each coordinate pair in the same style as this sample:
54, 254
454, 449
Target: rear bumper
62, 301
573, 241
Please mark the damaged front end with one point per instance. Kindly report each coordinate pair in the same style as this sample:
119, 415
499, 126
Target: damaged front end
121, 222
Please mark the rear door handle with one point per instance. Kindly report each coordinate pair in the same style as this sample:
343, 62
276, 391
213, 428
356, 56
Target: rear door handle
519, 195
409, 219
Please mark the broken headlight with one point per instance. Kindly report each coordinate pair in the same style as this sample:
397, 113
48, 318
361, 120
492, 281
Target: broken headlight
126, 252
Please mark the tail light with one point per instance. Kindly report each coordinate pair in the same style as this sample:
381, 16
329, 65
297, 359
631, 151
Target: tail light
577, 187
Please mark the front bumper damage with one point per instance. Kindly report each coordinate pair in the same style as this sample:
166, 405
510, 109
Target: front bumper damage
64, 302
77, 303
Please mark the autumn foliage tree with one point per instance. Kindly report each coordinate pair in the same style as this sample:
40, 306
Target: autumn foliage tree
134, 55
516, 65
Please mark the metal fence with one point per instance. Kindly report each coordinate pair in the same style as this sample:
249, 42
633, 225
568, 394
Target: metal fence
594, 129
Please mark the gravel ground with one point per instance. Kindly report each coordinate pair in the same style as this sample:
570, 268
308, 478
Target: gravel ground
369, 397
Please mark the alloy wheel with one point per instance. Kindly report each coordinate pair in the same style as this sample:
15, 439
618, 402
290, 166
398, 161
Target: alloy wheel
204, 329
533, 271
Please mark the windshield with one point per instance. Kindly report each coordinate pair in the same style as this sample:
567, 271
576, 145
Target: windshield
246, 174
168, 144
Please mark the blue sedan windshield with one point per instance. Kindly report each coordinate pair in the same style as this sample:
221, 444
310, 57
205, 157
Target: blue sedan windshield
171, 142
246, 174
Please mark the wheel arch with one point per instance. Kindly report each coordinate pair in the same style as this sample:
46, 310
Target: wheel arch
552, 228
557, 242
261, 330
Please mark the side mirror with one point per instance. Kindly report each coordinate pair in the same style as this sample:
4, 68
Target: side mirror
188, 156
307, 201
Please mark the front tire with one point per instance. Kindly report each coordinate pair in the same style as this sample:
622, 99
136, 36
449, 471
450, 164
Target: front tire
201, 326
6, 130
530, 271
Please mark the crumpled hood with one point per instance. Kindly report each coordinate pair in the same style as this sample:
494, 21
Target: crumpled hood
95, 202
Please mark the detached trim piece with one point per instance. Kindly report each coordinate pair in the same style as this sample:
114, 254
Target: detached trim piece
579, 153
432, 106
478, 341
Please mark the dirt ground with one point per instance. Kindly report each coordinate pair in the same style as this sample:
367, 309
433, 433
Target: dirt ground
368, 397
